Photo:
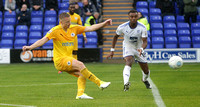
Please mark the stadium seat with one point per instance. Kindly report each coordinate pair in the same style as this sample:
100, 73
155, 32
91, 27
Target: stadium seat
7, 35
156, 33
9, 21
1, 21
22, 28
195, 32
1, 14
64, 6
61, 11
44, 33
155, 19
50, 20
198, 18
6, 43
168, 26
180, 19
80, 4
31, 41
38, 14
157, 42
171, 42
152, 4
155, 11
8, 28
156, 26
91, 34
80, 36
148, 43
91, 43
195, 26
47, 27
185, 42
144, 11
48, 45
7, 14
149, 34
35, 35
19, 43
168, 33
142, 4
183, 33
37, 21
183, 26
80, 42
36, 28
21, 35
196, 42
50, 13
169, 19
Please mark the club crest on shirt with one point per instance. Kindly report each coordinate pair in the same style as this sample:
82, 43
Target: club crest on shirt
76, 18
68, 63
138, 31
72, 34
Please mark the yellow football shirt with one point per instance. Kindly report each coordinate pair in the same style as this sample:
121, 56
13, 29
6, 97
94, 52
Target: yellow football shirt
63, 42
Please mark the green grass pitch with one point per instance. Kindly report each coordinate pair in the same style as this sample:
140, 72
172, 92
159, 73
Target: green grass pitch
40, 85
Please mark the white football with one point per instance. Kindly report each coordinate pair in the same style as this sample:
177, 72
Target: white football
175, 62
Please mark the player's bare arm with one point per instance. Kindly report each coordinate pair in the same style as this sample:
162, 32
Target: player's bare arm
144, 45
97, 26
36, 44
115, 38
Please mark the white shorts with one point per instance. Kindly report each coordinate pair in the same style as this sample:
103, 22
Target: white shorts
130, 51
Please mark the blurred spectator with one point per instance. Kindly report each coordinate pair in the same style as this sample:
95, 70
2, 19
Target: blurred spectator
180, 6
88, 9
10, 5
24, 16
198, 6
190, 10
20, 3
36, 5
1, 6
143, 20
93, 19
51, 5
78, 9
166, 7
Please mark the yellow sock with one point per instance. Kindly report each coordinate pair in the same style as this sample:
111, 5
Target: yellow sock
87, 74
75, 57
81, 85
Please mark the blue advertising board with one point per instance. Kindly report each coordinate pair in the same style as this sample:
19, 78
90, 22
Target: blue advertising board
163, 55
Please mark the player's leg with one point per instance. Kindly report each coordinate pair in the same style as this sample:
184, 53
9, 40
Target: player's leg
145, 69
126, 72
78, 65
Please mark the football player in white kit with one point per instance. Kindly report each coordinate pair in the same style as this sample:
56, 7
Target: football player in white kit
135, 41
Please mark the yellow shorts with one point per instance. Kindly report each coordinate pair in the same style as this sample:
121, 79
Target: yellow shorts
64, 64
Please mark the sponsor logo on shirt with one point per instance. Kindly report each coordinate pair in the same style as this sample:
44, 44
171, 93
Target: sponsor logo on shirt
68, 44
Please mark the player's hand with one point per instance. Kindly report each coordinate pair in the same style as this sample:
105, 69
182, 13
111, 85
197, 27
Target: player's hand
26, 48
108, 22
85, 39
110, 55
140, 51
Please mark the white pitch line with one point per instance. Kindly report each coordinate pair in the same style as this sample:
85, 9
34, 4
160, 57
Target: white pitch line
16, 105
158, 99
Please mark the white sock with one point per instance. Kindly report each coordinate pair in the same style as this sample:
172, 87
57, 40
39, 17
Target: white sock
145, 76
126, 73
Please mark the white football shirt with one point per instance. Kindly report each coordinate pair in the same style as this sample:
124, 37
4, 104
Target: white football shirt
132, 37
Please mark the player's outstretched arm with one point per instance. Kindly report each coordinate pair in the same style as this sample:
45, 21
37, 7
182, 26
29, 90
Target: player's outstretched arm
98, 26
113, 46
36, 44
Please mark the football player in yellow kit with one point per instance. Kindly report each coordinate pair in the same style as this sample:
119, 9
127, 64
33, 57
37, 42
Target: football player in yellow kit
63, 36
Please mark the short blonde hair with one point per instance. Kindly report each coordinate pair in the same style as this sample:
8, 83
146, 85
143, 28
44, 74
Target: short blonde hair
63, 15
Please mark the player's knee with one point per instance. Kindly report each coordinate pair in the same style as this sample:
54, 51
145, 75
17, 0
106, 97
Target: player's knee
81, 65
